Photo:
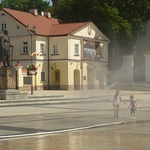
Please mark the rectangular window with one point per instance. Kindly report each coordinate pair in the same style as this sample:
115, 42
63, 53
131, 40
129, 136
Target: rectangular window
76, 49
25, 48
3, 26
55, 49
42, 45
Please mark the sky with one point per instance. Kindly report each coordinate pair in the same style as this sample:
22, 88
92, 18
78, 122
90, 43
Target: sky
50, 1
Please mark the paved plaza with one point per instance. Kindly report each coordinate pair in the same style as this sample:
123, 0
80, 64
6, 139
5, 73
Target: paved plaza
48, 112
71, 120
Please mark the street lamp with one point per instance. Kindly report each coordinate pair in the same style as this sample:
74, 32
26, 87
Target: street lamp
32, 32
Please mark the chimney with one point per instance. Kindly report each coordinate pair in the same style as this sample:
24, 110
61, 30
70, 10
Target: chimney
33, 11
47, 14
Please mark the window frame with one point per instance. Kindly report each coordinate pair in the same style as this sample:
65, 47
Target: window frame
76, 49
42, 48
55, 51
43, 77
25, 47
4, 26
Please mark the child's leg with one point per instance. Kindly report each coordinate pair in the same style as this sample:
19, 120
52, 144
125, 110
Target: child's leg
117, 111
134, 114
131, 113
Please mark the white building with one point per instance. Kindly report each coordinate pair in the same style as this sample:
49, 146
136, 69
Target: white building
68, 56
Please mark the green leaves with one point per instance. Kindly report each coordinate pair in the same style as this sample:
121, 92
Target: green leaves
25, 5
115, 18
119, 20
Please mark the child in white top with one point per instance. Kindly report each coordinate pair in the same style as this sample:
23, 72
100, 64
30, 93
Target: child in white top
133, 106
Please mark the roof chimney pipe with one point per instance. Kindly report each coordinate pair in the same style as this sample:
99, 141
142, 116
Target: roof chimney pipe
33, 11
47, 14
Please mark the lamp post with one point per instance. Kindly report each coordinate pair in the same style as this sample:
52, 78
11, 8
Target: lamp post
32, 32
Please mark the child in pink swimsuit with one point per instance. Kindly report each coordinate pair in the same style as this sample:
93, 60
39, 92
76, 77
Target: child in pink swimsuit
116, 103
133, 105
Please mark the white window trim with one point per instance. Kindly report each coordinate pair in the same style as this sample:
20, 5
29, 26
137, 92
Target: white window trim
4, 26
54, 52
44, 77
42, 49
26, 47
76, 51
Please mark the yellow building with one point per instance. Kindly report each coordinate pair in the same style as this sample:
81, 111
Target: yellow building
72, 56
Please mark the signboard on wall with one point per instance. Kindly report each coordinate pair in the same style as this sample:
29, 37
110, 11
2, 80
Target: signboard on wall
91, 51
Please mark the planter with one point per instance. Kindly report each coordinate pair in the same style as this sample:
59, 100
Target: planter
31, 70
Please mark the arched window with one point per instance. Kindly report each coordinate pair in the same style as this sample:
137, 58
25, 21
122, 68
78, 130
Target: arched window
57, 76
42, 76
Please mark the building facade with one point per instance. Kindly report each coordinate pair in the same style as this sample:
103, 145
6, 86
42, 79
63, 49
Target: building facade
71, 56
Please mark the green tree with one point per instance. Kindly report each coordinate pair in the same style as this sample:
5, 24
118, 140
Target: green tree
135, 12
25, 5
119, 20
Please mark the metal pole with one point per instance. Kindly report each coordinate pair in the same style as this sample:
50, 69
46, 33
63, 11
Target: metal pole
29, 29
31, 85
16, 79
31, 63
48, 64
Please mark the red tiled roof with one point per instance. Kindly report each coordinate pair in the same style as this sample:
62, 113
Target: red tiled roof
42, 23
45, 26
64, 29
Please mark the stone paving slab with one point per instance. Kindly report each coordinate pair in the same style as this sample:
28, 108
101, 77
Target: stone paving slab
57, 95
30, 120
35, 119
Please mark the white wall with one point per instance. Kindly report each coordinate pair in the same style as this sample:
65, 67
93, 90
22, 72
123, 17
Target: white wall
147, 68
62, 43
71, 44
14, 28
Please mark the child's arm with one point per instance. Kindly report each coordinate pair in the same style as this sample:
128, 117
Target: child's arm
136, 103
122, 100
129, 105
110, 97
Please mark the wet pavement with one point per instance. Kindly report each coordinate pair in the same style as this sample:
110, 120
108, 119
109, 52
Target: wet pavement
76, 124
118, 137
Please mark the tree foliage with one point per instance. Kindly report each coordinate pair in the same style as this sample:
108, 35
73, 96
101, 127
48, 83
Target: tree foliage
119, 20
25, 5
